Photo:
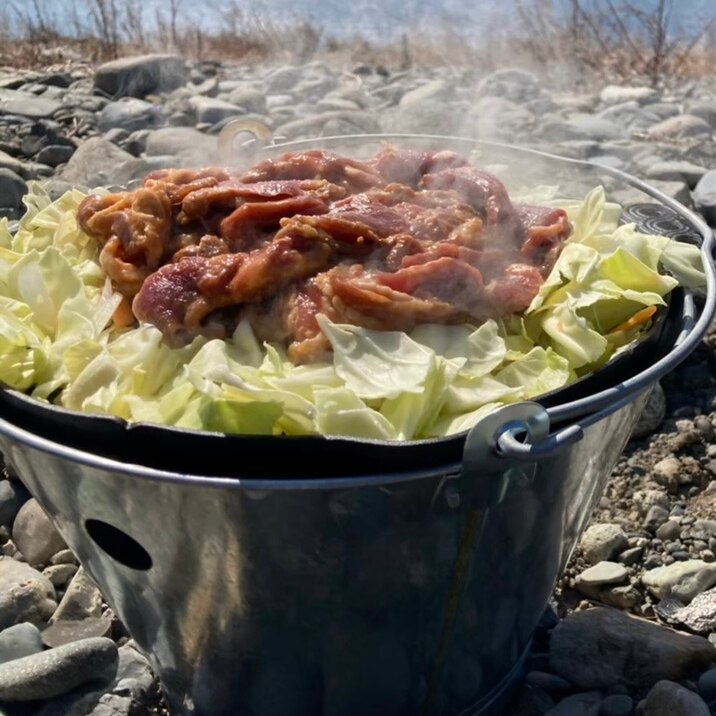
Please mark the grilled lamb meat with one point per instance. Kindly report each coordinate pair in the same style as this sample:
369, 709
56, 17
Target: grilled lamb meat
403, 239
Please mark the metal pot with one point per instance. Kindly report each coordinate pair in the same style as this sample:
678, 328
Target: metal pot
387, 591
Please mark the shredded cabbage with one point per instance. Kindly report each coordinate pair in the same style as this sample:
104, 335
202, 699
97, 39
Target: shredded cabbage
57, 340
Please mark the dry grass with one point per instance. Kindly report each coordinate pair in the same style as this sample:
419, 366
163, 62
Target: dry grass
598, 40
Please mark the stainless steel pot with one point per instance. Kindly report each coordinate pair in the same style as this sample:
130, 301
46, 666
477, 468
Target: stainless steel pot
392, 592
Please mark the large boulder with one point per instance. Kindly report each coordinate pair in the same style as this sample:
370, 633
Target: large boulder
640, 652
140, 76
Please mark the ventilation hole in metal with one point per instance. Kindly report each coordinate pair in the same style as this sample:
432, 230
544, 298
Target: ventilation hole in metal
118, 545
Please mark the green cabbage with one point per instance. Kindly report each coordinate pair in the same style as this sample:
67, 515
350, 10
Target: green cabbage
57, 341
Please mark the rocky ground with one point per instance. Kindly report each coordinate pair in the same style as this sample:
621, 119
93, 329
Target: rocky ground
650, 551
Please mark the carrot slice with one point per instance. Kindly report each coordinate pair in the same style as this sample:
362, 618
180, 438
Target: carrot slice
637, 319
123, 316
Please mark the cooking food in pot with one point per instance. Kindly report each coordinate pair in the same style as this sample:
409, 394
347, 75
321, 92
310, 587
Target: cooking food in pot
406, 239
401, 297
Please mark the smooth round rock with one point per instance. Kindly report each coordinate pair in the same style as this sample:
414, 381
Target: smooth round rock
707, 686
19, 641
25, 594
34, 534
617, 705
13, 496
57, 671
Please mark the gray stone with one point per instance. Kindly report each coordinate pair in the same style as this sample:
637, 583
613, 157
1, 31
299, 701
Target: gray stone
250, 98
631, 115
430, 91
283, 79
705, 197
140, 76
57, 671
55, 154
653, 414
705, 110
707, 686
586, 704
134, 675
640, 652
614, 94
600, 574
25, 595
13, 496
189, 146
601, 542
64, 632
64, 556
681, 171
130, 114
34, 534
60, 574
617, 705
27, 105
582, 126
209, 110
631, 556
12, 189
655, 517
669, 699
81, 600
312, 126
670, 530
516, 85
683, 126
98, 162
548, 682
425, 118
668, 472
496, 117
681, 580
18, 641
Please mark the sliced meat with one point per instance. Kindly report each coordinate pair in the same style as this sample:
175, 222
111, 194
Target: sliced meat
317, 164
407, 166
514, 290
547, 230
253, 222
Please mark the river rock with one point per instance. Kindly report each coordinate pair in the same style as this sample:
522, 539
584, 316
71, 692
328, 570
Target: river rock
631, 115
55, 154
27, 105
189, 146
81, 600
134, 675
25, 595
640, 652
516, 85
682, 171
681, 580
63, 631
683, 126
586, 704
57, 671
699, 616
130, 114
495, 117
283, 79
12, 189
653, 414
669, 699
250, 98
705, 196
35, 535
430, 91
614, 94
601, 542
19, 641
98, 162
60, 574
209, 110
600, 574
140, 76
